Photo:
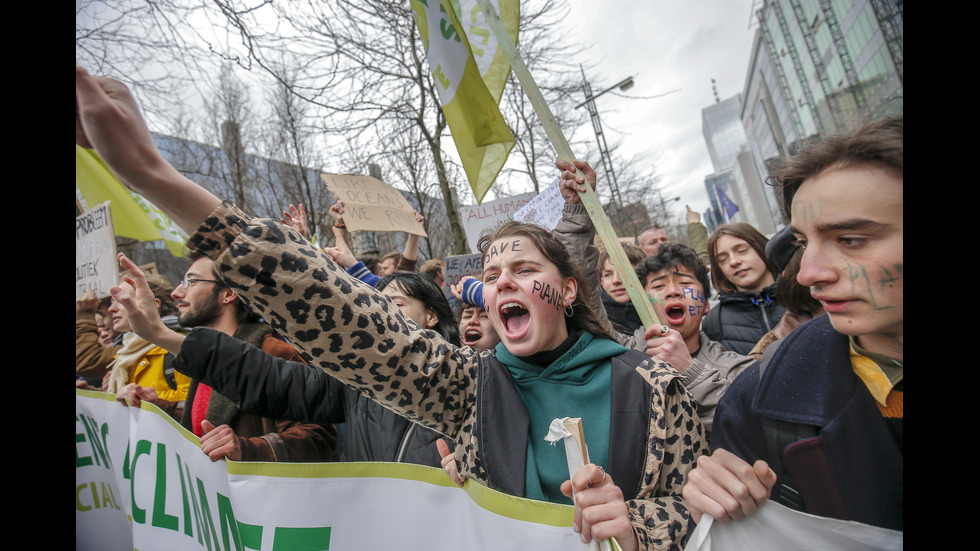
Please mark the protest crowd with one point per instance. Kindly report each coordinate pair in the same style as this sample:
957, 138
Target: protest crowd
775, 373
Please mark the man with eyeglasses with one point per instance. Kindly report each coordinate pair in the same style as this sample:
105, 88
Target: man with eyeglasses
226, 431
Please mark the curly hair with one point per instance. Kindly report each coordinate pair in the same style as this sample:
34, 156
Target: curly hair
672, 255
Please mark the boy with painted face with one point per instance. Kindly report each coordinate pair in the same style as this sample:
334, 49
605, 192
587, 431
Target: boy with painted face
677, 282
818, 425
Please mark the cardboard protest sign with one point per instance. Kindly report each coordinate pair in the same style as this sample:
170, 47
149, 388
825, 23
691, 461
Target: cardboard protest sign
545, 208
460, 266
95, 251
370, 204
489, 215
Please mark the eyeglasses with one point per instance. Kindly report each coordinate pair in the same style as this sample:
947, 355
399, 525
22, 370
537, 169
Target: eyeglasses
187, 282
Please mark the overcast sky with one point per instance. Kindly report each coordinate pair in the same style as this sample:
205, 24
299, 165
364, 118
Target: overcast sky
665, 45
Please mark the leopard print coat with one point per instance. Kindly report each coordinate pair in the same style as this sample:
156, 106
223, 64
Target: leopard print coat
359, 336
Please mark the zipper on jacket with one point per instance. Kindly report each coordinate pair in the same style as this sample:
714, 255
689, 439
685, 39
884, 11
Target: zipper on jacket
402, 448
762, 312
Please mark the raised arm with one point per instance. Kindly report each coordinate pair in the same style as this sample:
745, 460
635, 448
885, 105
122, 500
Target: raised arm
108, 120
410, 254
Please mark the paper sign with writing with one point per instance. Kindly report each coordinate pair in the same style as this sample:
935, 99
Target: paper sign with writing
460, 266
490, 214
370, 204
95, 251
545, 208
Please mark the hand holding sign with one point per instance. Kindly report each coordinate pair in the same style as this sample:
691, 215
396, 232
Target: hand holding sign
370, 204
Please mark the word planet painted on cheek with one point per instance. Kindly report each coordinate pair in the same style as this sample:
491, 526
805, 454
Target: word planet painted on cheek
886, 278
547, 293
694, 294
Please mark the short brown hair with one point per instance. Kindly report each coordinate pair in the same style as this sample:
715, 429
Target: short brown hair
432, 267
633, 253
879, 143
161, 289
750, 235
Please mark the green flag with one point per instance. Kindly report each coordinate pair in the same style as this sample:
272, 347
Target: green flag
470, 73
132, 215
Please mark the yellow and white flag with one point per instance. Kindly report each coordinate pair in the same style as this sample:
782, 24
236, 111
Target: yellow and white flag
470, 73
132, 215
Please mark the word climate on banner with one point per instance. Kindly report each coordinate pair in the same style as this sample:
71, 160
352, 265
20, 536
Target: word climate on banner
142, 482
95, 251
370, 204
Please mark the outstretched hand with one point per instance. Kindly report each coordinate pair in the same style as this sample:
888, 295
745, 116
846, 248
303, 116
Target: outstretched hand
692, 216
141, 309
600, 509
296, 219
341, 254
108, 120
573, 183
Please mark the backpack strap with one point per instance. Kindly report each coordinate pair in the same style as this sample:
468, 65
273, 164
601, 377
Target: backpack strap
711, 323
168, 370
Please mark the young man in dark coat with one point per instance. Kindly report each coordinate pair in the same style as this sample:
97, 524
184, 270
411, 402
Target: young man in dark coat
818, 425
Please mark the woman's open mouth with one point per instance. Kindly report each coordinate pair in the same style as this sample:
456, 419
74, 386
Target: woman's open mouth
515, 318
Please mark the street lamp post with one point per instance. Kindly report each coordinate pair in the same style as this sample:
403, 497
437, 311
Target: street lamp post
600, 136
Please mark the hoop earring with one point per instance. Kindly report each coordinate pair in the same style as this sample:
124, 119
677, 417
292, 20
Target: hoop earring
569, 310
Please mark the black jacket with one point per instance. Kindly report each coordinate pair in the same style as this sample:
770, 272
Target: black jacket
740, 319
852, 469
271, 387
622, 315
504, 452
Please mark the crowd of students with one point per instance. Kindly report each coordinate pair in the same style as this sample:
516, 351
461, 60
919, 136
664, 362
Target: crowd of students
679, 416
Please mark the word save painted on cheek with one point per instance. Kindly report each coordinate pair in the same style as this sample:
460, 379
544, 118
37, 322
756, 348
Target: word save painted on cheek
547, 293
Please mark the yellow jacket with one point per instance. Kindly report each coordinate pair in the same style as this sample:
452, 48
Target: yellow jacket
148, 371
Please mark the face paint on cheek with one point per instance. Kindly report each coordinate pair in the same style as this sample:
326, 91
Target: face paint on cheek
655, 297
547, 293
694, 311
886, 277
694, 294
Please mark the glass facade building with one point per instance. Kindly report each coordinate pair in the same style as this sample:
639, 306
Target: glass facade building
819, 67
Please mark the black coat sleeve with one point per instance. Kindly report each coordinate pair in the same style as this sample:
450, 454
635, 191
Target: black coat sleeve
258, 382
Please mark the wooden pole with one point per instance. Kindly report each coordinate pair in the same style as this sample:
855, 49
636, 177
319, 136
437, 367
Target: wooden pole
641, 301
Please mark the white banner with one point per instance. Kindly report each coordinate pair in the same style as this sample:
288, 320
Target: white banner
776, 527
142, 482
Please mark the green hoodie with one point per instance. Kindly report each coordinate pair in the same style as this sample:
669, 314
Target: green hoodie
575, 385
